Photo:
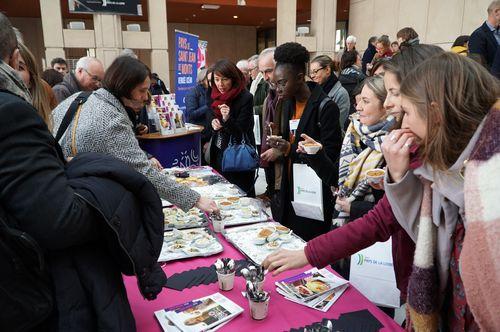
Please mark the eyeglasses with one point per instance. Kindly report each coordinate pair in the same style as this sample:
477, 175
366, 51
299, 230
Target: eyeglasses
93, 77
316, 71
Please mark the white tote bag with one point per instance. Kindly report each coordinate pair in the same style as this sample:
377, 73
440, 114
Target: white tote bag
256, 129
372, 273
307, 193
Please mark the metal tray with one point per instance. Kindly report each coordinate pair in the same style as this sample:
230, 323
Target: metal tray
242, 238
236, 215
189, 242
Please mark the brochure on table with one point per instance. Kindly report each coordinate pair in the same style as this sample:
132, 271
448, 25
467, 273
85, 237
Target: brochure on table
317, 289
201, 314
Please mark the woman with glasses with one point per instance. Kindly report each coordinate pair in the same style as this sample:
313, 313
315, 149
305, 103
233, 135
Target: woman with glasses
321, 71
231, 119
305, 111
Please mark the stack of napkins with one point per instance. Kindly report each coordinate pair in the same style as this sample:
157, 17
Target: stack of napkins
205, 314
317, 289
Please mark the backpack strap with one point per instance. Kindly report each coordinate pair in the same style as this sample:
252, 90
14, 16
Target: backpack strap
70, 113
322, 105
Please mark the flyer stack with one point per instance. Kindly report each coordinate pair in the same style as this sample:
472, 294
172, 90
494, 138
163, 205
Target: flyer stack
166, 115
317, 289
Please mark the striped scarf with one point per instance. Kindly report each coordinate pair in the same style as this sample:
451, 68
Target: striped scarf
423, 285
355, 161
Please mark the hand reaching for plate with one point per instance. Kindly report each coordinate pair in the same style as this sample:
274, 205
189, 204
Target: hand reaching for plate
284, 260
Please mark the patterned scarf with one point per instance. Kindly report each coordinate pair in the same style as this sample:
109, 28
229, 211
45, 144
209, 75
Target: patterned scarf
423, 284
355, 161
10, 81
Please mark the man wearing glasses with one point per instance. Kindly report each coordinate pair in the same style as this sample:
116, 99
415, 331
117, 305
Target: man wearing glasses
87, 77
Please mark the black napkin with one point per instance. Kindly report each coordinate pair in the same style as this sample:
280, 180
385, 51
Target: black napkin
356, 321
205, 275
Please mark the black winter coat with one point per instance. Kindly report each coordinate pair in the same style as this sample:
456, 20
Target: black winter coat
483, 44
87, 249
324, 128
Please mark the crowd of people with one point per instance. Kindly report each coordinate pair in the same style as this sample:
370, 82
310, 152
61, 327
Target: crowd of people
75, 181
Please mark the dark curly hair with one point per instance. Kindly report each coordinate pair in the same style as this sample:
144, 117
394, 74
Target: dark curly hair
292, 54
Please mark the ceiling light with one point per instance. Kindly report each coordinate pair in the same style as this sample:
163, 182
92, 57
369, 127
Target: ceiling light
213, 7
235, 16
242, 3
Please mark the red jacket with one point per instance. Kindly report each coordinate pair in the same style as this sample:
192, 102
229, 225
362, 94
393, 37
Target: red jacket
378, 225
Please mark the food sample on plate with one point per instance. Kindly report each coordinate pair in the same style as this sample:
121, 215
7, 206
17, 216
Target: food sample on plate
265, 232
225, 205
176, 218
258, 240
176, 247
203, 242
282, 229
273, 245
192, 181
186, 243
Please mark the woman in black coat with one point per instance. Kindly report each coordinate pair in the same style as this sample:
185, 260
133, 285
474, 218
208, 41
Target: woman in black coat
318, 118
231, 119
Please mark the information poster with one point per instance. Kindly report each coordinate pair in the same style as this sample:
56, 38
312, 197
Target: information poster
186, 65
202, 54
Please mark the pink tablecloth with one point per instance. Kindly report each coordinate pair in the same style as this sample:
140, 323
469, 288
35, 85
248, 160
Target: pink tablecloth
283, 314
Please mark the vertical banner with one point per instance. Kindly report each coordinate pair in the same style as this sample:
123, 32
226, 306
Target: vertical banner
202, 54
186, 53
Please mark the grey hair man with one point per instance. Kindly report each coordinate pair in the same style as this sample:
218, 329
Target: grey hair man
243, 66
266, 63
253, 66
350, 43
88, 75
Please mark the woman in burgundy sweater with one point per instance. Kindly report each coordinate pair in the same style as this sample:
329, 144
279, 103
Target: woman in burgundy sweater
379, 224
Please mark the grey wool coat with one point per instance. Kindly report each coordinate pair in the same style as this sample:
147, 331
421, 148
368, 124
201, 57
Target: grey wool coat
104, 127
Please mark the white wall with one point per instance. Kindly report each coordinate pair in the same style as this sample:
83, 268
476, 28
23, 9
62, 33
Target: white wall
437, 22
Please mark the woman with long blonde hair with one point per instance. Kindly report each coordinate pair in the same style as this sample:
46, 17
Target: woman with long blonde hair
449, 205
28, 69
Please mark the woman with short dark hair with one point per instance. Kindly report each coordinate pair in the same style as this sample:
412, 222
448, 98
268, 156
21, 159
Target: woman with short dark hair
106, 123
307, 110
231, 119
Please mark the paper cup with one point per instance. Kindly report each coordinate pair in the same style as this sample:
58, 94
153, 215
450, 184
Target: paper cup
259, 310
375, 176
226, 281
218, 225
311, 148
